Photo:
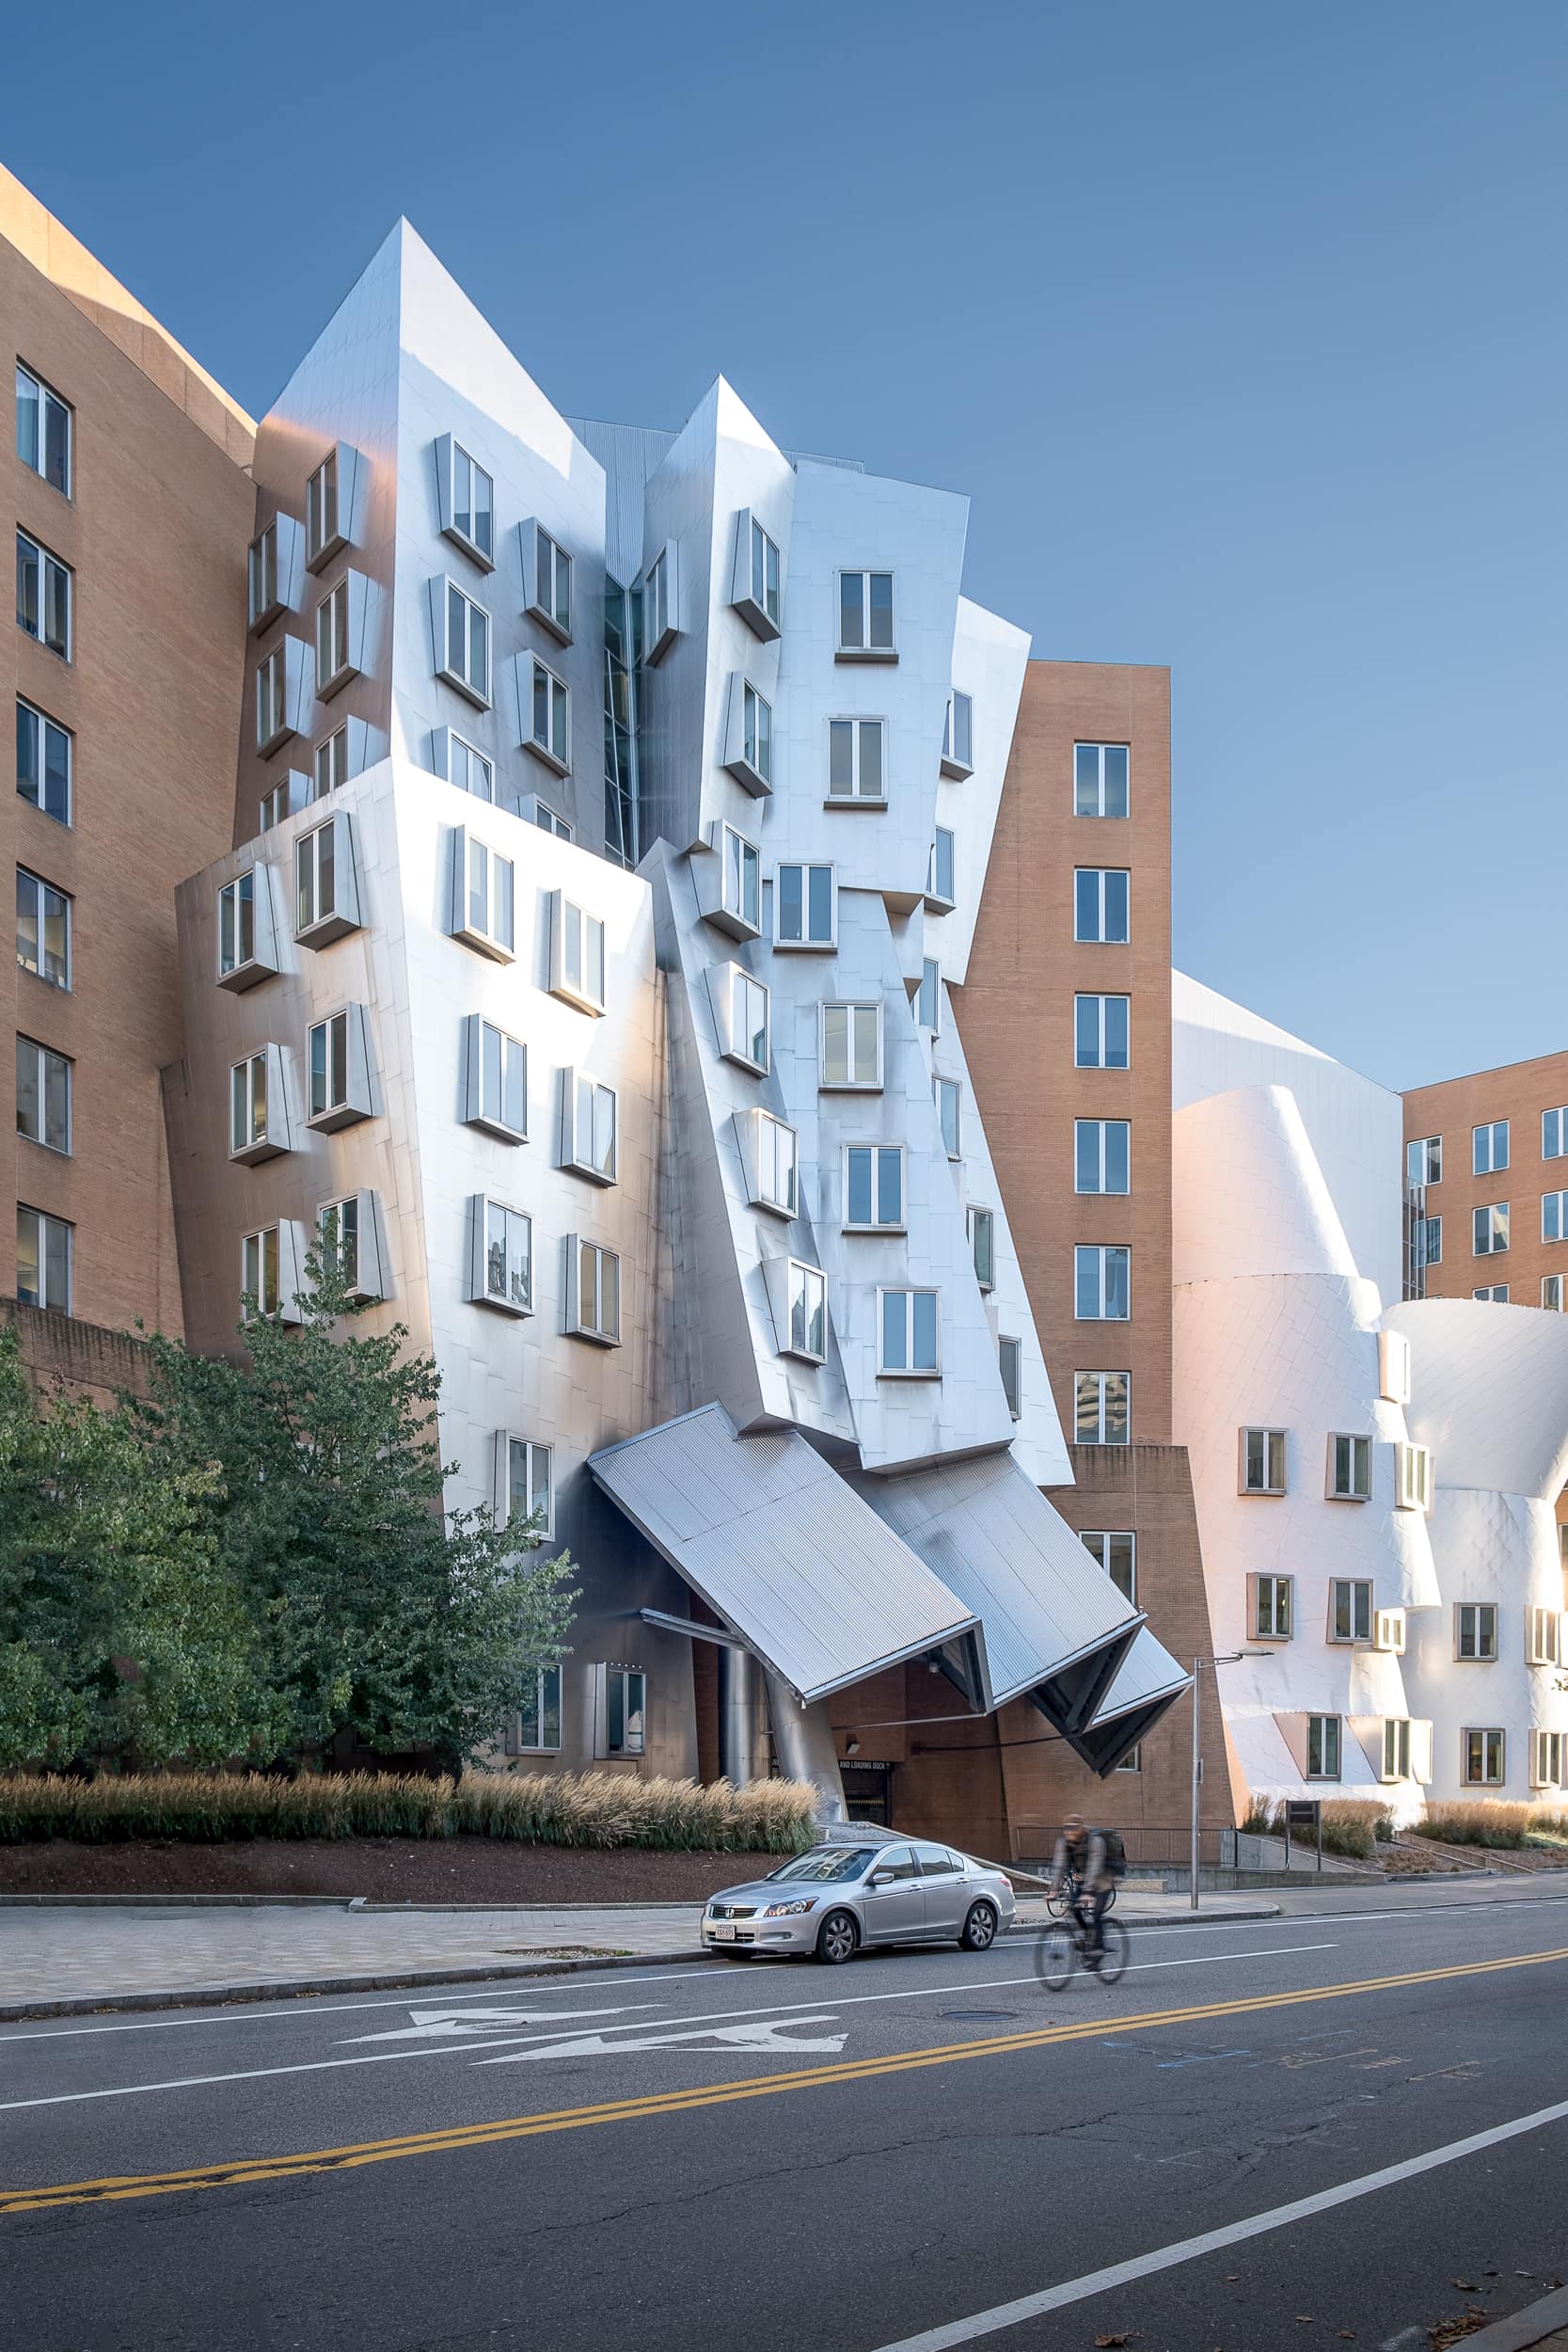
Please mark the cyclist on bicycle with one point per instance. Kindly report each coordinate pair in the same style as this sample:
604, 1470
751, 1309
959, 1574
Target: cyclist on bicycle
1080, 1869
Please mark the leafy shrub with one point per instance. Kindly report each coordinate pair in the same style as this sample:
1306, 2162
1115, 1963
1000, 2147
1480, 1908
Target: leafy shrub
547, 1808
1477, 1822
1354, 1825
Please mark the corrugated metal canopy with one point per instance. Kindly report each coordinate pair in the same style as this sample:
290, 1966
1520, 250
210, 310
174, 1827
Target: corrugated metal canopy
773, 1539
1148, 1671
994, 1540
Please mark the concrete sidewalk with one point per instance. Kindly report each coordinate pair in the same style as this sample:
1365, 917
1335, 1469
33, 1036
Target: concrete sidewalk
60, 1959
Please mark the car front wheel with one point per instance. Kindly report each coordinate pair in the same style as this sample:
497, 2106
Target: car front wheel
980, 1929
836, 1938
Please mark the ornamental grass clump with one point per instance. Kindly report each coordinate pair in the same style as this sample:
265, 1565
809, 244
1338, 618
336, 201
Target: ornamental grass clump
610, 1809
1353, 1826
1477, 1822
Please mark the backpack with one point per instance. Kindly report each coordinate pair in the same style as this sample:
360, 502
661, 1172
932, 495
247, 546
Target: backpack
1116, 1852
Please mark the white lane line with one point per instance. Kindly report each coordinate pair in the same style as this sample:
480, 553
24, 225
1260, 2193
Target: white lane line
755, 2008
1026, 2307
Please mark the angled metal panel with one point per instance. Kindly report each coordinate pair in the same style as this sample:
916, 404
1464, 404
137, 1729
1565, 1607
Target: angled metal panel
1148, 1673
781, 1549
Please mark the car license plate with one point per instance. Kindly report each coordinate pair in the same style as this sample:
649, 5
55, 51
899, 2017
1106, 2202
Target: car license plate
722, 1931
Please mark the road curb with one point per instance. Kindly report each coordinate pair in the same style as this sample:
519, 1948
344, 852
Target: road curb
1521, 2330
302, 1988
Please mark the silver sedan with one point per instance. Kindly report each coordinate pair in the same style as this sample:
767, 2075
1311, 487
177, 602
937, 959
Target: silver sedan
838, 1897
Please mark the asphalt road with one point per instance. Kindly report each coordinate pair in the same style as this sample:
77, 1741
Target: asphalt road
776, 2157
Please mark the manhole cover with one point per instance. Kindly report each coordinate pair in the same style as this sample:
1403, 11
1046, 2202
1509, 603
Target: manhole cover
980, 2016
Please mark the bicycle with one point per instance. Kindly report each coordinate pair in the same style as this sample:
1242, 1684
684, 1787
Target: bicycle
1065, 1947
1059, 1901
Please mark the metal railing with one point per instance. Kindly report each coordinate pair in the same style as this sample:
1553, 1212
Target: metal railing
1165, 1850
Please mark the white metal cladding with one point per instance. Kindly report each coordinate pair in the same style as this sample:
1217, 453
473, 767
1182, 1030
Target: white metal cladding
779, 1545
1489, 1392
990, 1536
1147, 1674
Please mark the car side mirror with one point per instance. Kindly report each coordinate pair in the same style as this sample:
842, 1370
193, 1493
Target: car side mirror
881, 1878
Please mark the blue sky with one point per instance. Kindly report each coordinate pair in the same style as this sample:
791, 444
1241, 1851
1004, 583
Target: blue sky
1243, 326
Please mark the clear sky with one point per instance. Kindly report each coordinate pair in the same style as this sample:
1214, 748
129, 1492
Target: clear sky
1241, 325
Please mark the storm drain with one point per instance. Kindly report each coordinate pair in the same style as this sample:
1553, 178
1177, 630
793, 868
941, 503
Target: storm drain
980, 2016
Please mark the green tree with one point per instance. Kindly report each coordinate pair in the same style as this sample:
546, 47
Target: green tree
119, 1636
381, 1611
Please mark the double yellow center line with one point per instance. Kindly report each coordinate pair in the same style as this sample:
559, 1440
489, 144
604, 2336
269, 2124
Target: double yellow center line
242, 2171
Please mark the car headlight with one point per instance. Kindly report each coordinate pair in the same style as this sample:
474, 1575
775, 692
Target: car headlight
790, 1911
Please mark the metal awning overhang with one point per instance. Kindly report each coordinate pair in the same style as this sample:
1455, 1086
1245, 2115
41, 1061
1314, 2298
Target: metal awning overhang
1146, 1683
788, 1555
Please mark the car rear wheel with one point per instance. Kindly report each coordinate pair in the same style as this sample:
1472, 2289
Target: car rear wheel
979, 1928
836, 1938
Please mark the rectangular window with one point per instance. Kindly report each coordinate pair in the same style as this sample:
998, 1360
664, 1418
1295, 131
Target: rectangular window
1323, 1747
1554, 1134
626, 1711
260, 1274
865, 614
1105, 1407
1549, 1749
907, 1322
331, 764
503, 1243
1413, 1477
276, 805
43, 1251
332, 662
982, 1245
807, 1296
1103, 1151
1475, 1631
857, 770
1554, 1216
591, 1112
468, 769
485, 917
322, 519
1102, 1284
1546, 1637
874, 1188
248, 1105
1426, 1240
756, 734
1009, 1363
315, 879
765, 574
1350, 1609
1396, 1748
43, 430
42, 929
327, 1053
940, 869
474, 505
271, 698
661, 603
1423, 1162
547, 820
598, 1301
236, 924
263, 575
803, 907
1272, 1608
1132, 1760
43, 762
1100, 905
43, 1095
495, 1093
1481, 1758
552, 734
528, 1484
1490, 1229
958, 735
462, 642
1117, 1551
338, 1226
852, 1046
1099, 779
775, 1153
578, 956
1264, 1459
748, 1005
1350, 1469
1495, 1292
539, 1716
1551, 1292
42, 596
739, 890
927, 1001
1100, 1027
949, 1095
1489, 1147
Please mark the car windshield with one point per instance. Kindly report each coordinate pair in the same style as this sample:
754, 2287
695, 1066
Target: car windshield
828, 1865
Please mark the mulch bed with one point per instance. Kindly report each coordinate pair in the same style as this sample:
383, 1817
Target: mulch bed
383, 1869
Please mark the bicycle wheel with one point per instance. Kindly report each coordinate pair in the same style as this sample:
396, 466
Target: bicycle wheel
1111, 1898
1054, 1954
1114, 1957
1056, 1904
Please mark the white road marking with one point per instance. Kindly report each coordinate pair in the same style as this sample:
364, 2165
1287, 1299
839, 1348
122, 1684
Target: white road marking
775, 2038
435, 2024
1055, 2298
380, 2057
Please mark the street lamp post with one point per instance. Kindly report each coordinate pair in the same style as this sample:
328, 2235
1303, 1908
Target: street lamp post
1227, 1658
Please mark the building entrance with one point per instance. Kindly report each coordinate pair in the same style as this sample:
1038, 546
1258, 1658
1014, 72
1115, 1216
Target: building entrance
867, 1791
